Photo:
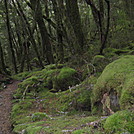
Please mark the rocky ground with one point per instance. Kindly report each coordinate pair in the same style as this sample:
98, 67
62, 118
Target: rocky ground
5, 107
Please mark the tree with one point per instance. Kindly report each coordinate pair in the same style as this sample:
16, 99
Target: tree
98, 15
74, 17
35, 4
10, 37
58, 19
3, 66
28, 30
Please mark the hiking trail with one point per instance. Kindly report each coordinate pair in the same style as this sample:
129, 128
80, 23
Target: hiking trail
5, 107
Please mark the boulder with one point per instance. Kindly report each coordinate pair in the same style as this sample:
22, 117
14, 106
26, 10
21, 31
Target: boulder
117, 81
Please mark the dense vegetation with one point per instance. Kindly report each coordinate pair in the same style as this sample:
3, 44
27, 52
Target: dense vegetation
75, 63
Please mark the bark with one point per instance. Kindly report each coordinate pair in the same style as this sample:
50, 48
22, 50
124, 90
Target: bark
47, 48
47, 18
18, 34
28, 30
95, 12
67, 28
10, 37
58, 19
2, 60
99, 20
107, 27
75, 20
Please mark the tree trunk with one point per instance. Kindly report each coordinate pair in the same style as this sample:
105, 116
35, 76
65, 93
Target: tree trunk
3, 66
107, 27
58, 19
28, 30
74, 17
10, 38
43, 30
99, 20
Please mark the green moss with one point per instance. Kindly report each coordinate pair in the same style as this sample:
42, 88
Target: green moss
81, 131
119, 122
127, 95
66, 73
99, 62
53, 76
25, 127
21, 108
29, 81
118, 76
21, 76
65, 78
39, 116
99, 57
113, 51
33, 130
37, 85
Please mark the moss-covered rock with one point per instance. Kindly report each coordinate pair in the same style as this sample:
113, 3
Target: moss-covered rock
117, 80
53, 77
65, 78
122, 121
76, 98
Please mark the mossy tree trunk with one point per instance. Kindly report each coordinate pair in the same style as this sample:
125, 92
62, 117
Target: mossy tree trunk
47, 48
58, 19
10, 37
2, 62
98, 15
75, 20
28, 30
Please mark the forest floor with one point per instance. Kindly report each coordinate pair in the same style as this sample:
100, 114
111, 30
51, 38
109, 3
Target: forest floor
5, 107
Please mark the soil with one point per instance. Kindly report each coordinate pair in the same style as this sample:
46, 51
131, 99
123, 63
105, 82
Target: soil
5, 107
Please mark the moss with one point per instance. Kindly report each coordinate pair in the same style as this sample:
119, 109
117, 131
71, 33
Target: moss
29, 111
20, 109
25, 127
39, 116
29, 81
119, 122
99, 62
76, 98
114, 51
81, 131
65, 78
127, 95
53, 76
33, 130
22, 119
118, 76
99, 57
30, 87
21, 76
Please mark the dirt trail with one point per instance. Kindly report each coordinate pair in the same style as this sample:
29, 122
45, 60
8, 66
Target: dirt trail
5, 107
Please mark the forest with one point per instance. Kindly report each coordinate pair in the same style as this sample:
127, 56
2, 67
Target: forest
66, 66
